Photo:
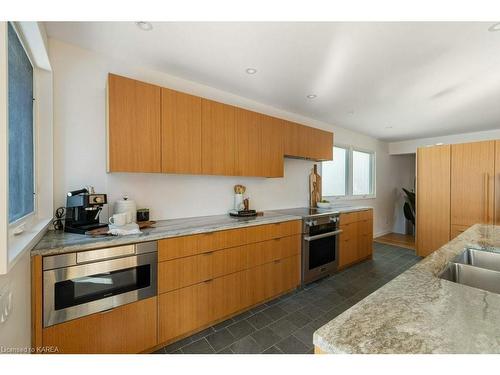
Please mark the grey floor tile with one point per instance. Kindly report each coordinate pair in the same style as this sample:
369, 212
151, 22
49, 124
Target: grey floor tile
242, 316
198, 347
259, 320
259, 308
202, 334
241, 329
223, 324
275, 312
327, 302
220, 339
283, 328
178, 351
311, 311
225, 351
305, 334
272, 350
291, 305
292, 345
298, 319
266, 338
246, 345
178, 344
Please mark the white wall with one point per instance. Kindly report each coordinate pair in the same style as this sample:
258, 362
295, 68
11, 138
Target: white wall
15, 332
80, 148
408, 147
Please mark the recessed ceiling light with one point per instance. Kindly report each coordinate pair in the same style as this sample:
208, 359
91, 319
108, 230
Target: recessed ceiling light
251, 70
439, 144
388, 127
494, 27
311, 96
143, 25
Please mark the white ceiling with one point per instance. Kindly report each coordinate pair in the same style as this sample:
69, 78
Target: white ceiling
393, 81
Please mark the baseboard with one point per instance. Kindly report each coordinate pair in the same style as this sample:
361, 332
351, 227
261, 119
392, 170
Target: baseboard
382, 233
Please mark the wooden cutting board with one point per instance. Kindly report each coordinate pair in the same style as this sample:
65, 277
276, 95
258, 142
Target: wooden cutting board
104, 230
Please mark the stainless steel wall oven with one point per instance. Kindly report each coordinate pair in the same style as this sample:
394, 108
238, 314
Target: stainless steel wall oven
86, 282
320, 244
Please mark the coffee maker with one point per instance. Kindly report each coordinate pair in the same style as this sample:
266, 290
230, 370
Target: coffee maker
83, 207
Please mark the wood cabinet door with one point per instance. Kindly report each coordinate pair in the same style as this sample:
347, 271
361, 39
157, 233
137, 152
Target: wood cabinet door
272, 147
180, 132
129, 328
348, 244
472, 183
218, 138
320, 144
249, 159
184, 310
291, 142
433, 198
133, 125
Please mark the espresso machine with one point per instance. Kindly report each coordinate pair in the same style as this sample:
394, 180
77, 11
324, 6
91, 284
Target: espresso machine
83, 207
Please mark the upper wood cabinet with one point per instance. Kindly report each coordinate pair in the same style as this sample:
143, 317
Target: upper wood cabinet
433, 198
272, 147
154, 129
249, 137
133, 126
218, 138
305, 142
180, 132
472, 183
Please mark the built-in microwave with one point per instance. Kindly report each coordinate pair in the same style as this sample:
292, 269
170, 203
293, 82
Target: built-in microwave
86, 282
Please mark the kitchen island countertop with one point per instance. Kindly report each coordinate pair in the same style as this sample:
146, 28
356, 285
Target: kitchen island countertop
57, 242
418, 312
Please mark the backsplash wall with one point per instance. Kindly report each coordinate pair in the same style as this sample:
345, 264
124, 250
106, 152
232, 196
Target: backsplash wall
80, 148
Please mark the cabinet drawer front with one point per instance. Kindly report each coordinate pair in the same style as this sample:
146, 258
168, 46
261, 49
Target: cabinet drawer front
365, 215
270, 231
271, 250
177, 247
178, 273
347, 218
120, 330
182, 272
222, 239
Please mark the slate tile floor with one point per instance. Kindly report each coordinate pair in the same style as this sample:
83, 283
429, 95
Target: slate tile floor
286, 324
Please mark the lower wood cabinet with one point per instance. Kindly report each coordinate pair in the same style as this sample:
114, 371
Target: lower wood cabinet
129, 328
198, 290
202, 279
356, 239
186, 310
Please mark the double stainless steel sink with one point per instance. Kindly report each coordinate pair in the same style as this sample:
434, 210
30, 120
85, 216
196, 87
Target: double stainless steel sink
476, 268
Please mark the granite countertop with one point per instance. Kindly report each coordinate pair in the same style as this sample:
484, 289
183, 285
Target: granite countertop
55, 242
418, 312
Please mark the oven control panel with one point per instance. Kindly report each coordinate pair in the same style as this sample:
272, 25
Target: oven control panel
311, 223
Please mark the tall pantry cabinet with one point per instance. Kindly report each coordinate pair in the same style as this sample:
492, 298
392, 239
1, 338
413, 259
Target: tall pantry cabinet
456, 187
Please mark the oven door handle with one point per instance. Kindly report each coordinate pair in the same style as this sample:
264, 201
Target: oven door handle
324, 235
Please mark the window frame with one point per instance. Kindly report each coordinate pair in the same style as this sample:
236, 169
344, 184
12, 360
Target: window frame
27, 220
349, 175
347, 171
